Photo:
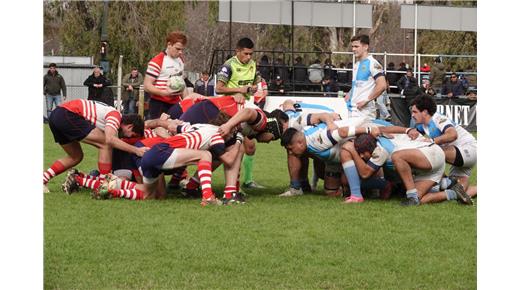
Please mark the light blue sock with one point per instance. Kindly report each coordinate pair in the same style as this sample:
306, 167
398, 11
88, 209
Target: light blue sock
351, 173
412, 193
450, 194
435, 188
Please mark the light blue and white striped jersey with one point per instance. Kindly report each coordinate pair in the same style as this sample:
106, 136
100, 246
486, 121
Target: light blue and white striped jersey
364, 74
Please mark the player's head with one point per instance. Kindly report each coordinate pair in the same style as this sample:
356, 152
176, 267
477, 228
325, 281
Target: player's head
360, 45
52, 67
175, 43
423, 107
365, 145
276, 122
244, 50
132, 125
294, 141
220, 119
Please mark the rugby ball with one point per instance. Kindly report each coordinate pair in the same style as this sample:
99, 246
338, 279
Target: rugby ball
176, 83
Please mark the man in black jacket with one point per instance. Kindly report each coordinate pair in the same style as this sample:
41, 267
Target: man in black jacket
97, 85
53, 86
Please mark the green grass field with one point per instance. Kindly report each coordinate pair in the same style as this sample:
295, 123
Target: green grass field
307, 242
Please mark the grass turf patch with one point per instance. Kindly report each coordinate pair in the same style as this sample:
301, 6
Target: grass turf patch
269, 243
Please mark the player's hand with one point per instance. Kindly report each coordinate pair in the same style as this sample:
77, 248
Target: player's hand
172, 125
239, 98
361, 104
336, 116
413, 134
224, 130
167, 91
331, 126
141, 150
349, 146
347, 97
164, 117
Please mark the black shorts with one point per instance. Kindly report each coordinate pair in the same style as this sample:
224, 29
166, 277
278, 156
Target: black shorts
156, 108
200, 113
122, 160
68, 127
175, 111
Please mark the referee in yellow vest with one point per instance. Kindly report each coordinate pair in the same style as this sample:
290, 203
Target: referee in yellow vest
238, 77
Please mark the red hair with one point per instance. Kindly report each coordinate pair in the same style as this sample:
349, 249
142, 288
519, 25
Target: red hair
176, 36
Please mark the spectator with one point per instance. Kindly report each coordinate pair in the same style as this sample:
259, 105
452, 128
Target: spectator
277, 88
300, 74
204, 86
465, 82
453, 88
392, 78
264, 67
97, 83
281, 69
315, 72
425, 68
408, 84
402, 67
53, 88
437, 73
131, 83
342, 75
329, 86
427, 89
328, 70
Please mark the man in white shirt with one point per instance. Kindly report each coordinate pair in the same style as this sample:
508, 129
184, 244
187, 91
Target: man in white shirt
368, 80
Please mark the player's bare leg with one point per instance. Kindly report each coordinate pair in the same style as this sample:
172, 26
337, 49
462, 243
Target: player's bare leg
403, 161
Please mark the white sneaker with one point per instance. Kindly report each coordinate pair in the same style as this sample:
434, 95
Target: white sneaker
45, 189
292, 192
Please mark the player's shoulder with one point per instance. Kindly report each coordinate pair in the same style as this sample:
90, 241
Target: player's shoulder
158, 58
441, 119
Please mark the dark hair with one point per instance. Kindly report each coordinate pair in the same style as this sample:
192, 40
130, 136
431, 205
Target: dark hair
276, 126
136, 121
365, 143
363, 38
279, 115
264, 58
220, 119
205, 72
409, 70
438, 59
298, 59
425, 102
287, 136
245, 43
52, 65
176, 36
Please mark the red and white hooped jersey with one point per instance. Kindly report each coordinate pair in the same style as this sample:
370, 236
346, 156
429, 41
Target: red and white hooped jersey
98, 114
199, 137
161, 67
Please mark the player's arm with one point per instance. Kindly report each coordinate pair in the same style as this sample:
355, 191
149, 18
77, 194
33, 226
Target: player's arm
364, 170
346, 132
244, 115
379, 88
151, 89
413, 133
288, 105
448, 136
112, 140
327, 118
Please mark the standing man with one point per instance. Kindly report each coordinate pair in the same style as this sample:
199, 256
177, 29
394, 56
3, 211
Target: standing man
53, 83
96, 83
204, 86
437, 73
131, 82
160, 68
238, 77
368, 80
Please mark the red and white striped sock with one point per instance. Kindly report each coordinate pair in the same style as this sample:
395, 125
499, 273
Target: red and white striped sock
88, 181
204, 171
193, 183
55, 169
133, 194
228, 191
127, 184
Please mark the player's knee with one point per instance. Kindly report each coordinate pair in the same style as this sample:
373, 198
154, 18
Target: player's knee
205, 155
